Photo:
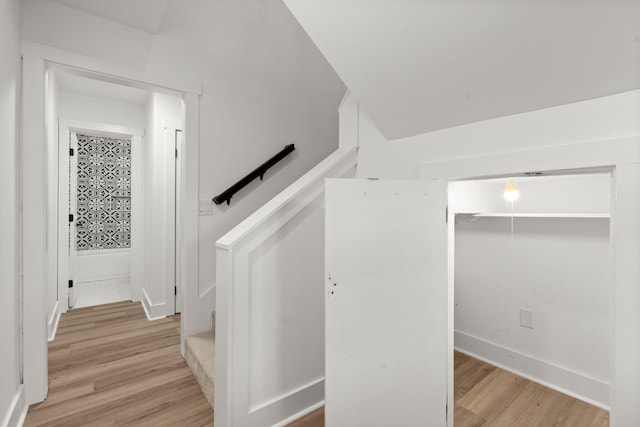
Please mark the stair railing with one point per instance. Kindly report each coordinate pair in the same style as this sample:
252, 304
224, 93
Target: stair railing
226, 195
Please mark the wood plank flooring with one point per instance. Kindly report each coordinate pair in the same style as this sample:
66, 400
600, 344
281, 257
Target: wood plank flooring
110, 366
489, 396
486, 396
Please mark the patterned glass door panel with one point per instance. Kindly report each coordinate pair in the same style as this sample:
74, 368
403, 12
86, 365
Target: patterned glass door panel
103, 193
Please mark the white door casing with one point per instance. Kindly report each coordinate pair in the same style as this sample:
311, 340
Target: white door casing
178, 221
386, 303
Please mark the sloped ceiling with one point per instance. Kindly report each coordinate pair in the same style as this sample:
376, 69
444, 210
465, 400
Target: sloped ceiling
422, 65
145, 15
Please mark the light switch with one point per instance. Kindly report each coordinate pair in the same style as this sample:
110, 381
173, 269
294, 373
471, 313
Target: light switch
526, 318
205, 207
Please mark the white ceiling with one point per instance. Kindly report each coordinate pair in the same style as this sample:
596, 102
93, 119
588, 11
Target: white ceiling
422, 65
100, 89
145, 15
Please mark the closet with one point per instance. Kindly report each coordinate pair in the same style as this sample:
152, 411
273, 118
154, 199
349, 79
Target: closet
533, 276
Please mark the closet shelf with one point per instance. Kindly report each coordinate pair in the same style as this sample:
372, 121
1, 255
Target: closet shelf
545, 214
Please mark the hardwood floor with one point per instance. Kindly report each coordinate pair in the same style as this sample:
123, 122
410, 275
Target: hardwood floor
488, 396
314, 419
110, 366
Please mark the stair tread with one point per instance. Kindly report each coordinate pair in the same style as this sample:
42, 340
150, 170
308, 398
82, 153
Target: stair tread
200, 356
210, 335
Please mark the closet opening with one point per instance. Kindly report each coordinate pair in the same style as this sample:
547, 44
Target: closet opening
532, 295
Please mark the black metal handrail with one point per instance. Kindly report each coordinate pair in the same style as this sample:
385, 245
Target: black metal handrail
258, 172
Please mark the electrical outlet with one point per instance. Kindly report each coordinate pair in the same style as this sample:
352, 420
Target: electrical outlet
205, 207
526, 318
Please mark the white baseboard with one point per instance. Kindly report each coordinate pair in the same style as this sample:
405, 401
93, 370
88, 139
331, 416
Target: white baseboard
300, 414
52, 324
105, 279
17, 411
580, 386
153, 311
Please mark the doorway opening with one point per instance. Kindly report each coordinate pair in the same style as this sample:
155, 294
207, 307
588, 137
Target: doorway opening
117, 200
532, 287
45, 295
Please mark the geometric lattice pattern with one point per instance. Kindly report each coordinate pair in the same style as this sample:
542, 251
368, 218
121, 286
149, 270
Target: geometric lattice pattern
104, 193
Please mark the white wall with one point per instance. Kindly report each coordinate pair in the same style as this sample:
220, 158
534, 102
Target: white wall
10, 318
264, 85
550, 194
164, 117
75, 106
605, 118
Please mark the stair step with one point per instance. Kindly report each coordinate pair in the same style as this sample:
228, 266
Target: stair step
200, 356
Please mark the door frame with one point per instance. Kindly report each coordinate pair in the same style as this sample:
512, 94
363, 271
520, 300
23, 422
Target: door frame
65, 271
37, 60
179, 140
622, 156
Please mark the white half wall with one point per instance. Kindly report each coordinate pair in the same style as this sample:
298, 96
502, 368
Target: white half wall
270, 305
10, 226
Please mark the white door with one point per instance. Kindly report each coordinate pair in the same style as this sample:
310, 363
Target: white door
100, 205
386, 303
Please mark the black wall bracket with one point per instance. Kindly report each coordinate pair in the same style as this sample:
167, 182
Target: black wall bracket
226, 195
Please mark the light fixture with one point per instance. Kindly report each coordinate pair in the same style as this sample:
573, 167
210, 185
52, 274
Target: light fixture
511, 193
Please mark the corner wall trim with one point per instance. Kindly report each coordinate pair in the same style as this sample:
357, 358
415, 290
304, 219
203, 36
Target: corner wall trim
153, 311
17, 410
574, 384
52, 324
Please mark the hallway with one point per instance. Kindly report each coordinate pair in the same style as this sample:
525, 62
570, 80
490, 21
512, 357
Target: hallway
109, 365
